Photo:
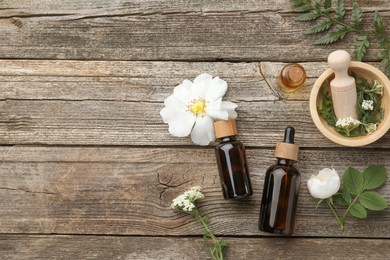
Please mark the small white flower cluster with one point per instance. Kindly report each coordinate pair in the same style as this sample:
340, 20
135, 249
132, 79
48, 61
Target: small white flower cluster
368, 104
186, 201
348, 122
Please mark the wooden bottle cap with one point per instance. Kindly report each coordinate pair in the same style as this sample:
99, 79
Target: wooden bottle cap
287, 151
225, 128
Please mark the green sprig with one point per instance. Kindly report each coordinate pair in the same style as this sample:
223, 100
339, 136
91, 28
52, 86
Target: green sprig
356, 193
218, 245
331, 23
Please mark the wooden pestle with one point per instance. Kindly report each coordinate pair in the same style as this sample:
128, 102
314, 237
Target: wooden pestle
343, 86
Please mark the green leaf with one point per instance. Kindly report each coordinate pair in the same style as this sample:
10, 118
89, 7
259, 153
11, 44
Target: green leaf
386, 65
310, 16
340, 10
356, 19
358, 211
384, 43
303, 8
333, 36
340, 200
378, 23
322, 26
361, 47
374, 176
346, 196
318, 4
353, 181
372, 200
328, 4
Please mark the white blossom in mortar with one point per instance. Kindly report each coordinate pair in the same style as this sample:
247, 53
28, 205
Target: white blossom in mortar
193, 106
325, 184
368, 104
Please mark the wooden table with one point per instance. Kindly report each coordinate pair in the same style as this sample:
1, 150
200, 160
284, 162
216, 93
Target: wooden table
88, 168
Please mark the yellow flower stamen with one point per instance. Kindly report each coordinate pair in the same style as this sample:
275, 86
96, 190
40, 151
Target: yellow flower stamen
197, 106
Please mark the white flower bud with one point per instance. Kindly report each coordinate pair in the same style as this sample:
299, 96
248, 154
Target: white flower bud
325, 184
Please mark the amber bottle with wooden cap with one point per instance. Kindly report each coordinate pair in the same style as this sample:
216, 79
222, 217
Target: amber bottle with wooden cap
292, 76
281, 187
231, 161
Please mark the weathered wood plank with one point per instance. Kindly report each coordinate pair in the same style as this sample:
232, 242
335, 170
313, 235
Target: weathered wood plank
144, 81
118, 103
124, 81
104, 34
128, 191
120, 7
260, 124
96, 247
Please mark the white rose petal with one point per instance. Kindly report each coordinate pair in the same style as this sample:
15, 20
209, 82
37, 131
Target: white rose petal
325, 184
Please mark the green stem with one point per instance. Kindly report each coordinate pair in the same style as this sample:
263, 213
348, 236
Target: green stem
217, 249
349, 207
330, 205
335, 21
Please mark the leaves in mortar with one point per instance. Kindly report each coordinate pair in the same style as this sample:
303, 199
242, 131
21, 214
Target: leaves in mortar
372, 200
358, 211
353, 181
374, 176
361, 46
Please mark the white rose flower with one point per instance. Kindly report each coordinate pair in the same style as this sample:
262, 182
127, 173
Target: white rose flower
193, 106
325, 184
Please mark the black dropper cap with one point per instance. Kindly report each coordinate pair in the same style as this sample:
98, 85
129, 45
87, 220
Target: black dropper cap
289, 133
287, 149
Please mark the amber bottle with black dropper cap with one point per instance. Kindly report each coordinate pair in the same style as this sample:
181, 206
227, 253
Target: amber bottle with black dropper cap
231, 161
281, 188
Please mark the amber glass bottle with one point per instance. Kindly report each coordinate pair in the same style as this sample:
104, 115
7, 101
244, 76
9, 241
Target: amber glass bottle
281, 187
292, 76
231, 161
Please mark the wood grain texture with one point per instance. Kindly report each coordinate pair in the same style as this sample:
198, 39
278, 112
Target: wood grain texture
88, 170
126, 248
150, 7
118, 103
128, 191
165, 30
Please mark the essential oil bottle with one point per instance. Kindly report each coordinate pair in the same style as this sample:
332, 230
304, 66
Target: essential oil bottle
281, 188
231, 161
292, 76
